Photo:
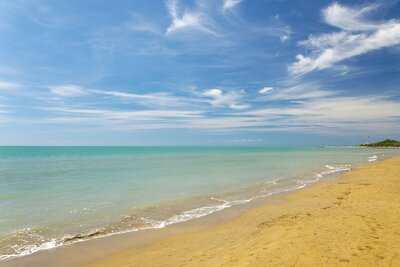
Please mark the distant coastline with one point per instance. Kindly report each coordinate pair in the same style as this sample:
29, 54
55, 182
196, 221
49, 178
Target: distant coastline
388, 143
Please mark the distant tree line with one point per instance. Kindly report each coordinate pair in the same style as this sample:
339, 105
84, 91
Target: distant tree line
384, 143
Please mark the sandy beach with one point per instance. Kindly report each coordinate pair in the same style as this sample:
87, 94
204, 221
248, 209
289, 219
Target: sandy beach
354, 221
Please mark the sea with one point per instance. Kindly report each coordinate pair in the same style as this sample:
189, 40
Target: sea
55, 196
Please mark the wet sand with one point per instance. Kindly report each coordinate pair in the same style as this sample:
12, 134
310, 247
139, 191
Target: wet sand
351, 221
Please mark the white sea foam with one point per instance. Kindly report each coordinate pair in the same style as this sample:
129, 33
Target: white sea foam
372, 158
29, 249
270, 191
334, 169
197, 212
303, 183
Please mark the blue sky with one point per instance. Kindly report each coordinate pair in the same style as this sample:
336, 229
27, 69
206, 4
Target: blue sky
216, 72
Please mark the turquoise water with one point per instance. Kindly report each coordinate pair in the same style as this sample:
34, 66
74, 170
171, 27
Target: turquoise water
50, 196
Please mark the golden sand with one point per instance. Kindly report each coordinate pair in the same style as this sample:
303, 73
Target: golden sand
351, 221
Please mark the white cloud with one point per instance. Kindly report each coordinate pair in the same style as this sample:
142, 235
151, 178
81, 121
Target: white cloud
284, 38
216, 97
9, 86
154, 99
348, 18
230, 4
213, 93
224, 123
284, 33
118, 119
68, 90
308, 108
299, 91
265, 90
129, 114
229, 99
144, 26
327, 115
334, 115
358, 36
279, 29
186, 19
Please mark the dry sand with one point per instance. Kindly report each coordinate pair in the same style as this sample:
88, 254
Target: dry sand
351, 221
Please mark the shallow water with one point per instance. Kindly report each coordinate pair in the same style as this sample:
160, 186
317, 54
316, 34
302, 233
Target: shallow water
50, 196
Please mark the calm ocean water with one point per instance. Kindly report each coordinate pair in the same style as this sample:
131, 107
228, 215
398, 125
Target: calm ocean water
50, 196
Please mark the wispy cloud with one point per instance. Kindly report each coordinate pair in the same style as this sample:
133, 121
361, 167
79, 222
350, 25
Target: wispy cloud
153, 99
216, 97
9, 85
127, 114
285, 37
230, 4
266, 90
337, 112
229, 99
186, 19
68, 90
140, 24
308, 108
121, 120
339, 109
358, 36
283, 31
334, 115
351, 18
298, 91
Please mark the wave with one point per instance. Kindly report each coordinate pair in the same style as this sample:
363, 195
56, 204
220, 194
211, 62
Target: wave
30, 249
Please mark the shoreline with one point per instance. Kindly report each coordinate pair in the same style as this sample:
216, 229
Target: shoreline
248, 197
353, 220
99, 248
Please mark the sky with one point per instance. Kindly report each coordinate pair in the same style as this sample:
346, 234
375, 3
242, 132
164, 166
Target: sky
202, 72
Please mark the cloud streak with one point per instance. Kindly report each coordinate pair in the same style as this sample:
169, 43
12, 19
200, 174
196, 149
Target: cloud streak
231, 99
154, 99
230, 4
357, 36
68, 90
186, 20
216, 97
266, 90
9, 86
151, 99
308, 109
335, 115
